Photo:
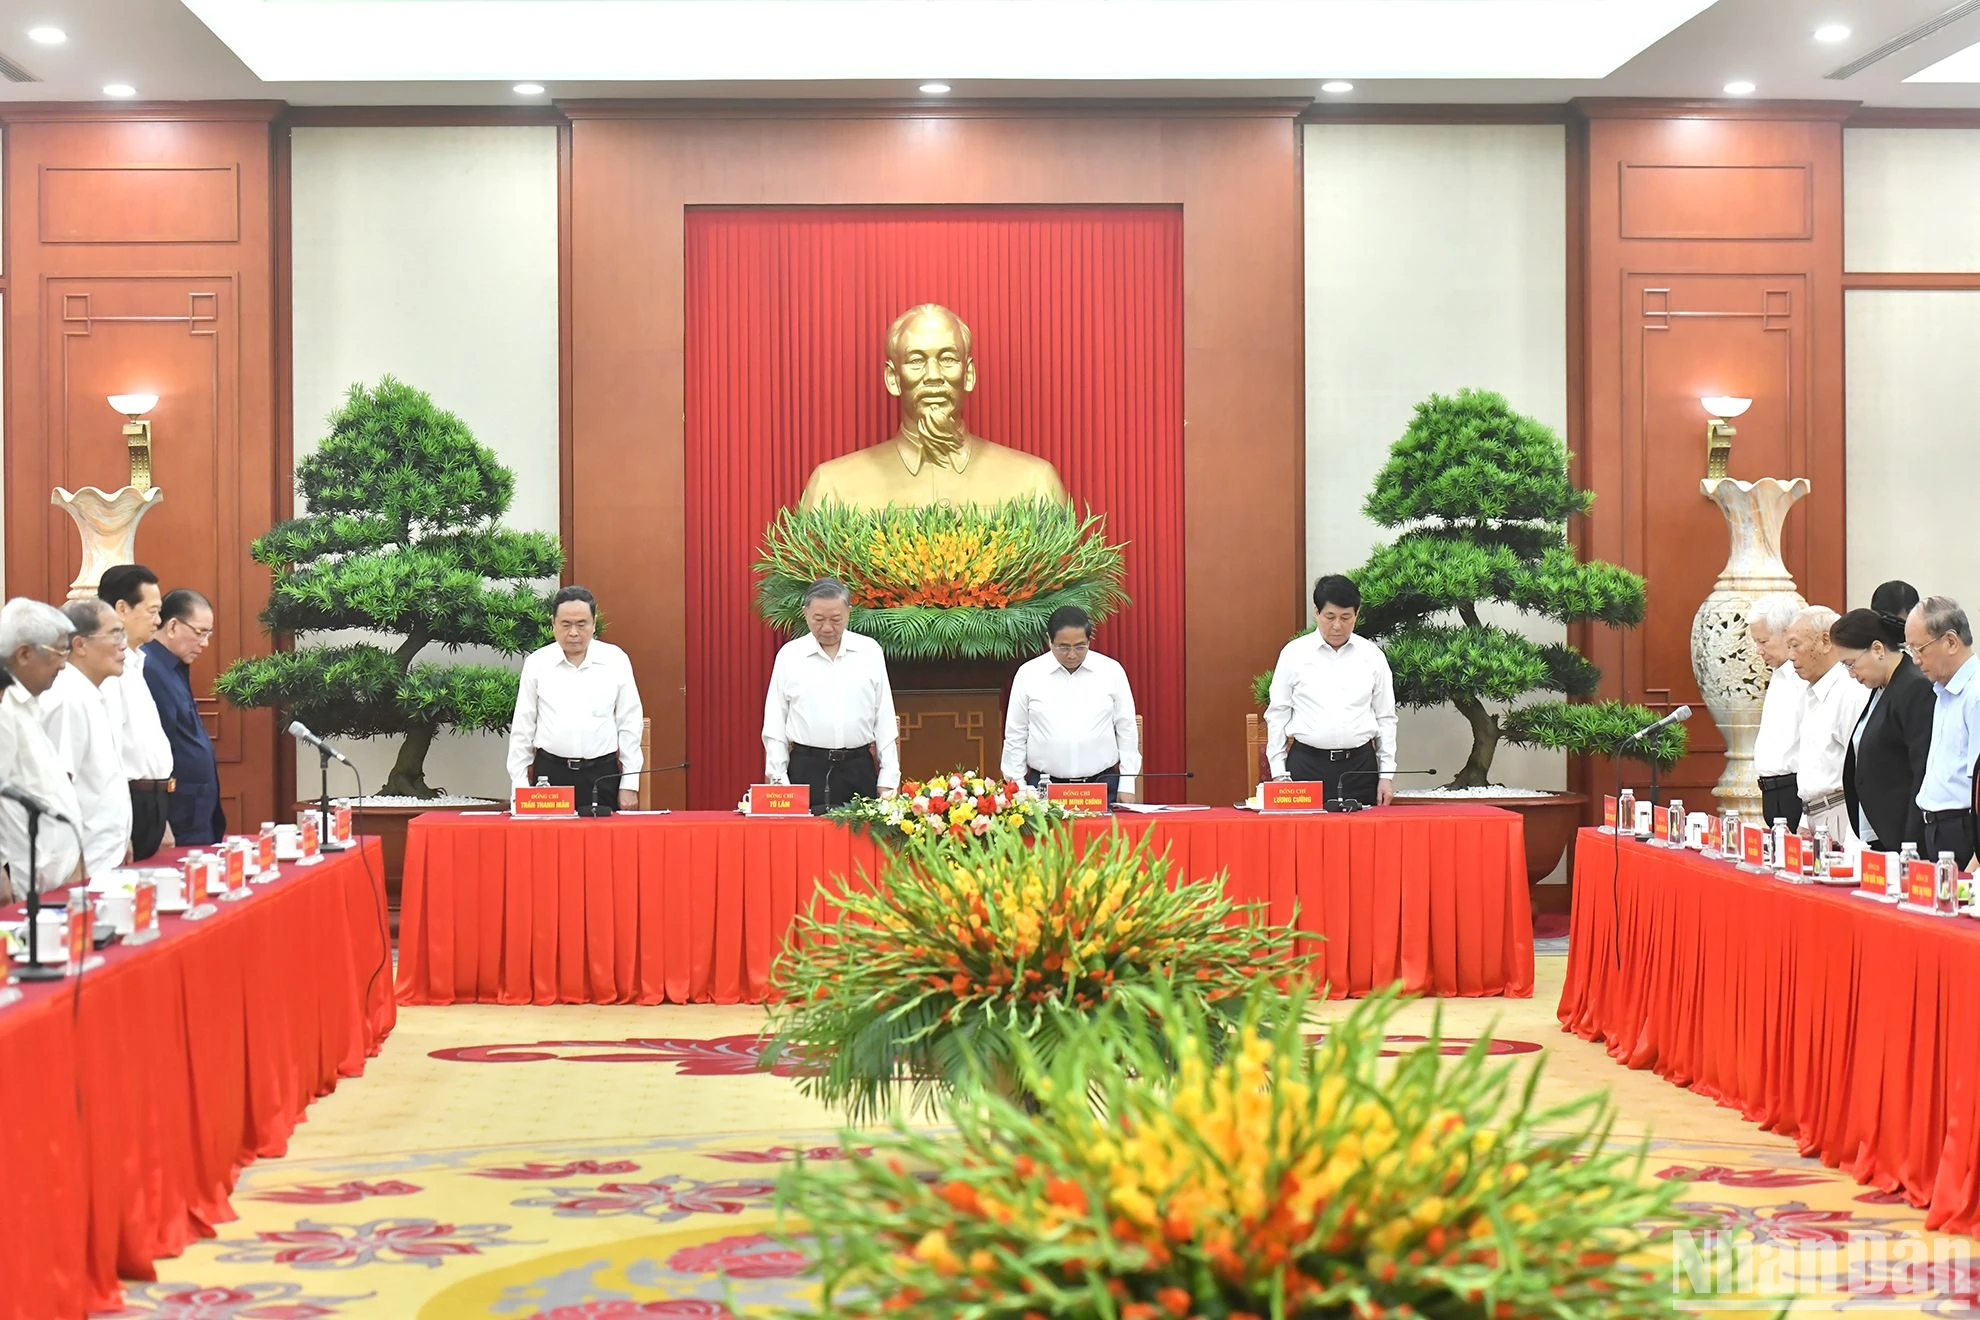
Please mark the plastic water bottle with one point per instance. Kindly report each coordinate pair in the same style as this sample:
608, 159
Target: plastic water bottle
1626, 812
543, 781
1820, 869
1945, 885
1779, 836
79, 929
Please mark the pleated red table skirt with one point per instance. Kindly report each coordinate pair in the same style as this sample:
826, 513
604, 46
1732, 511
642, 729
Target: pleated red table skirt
693, 907
1850, 1026
130, 1109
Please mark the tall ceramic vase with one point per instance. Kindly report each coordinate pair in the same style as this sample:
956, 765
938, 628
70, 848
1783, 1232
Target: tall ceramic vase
108, 523
1730, 672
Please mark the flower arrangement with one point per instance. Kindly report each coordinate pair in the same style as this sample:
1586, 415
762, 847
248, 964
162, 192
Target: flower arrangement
927, 977
944, 581
1270, 1179
960, 807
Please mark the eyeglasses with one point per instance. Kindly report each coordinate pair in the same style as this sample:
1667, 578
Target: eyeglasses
55, 651
201, 633
1077, 648
1917, 652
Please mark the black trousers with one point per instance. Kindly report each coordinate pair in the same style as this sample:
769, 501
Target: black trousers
596, 780
1352, 774
147, 822
1780, 799
1111, 777
1954, 834
836, 776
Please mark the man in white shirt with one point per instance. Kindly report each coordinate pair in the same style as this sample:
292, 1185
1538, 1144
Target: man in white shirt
828, 718
34, 643
78, 723
578, 718
1071, 714
1335, 699
1779, 740
132, 591
1830, 709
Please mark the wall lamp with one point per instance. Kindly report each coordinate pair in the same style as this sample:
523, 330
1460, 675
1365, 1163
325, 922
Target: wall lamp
1719, 431
137, 433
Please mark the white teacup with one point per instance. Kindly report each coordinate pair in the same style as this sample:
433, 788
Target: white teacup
118, 911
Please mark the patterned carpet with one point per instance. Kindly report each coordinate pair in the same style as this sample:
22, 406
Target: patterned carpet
571, 1163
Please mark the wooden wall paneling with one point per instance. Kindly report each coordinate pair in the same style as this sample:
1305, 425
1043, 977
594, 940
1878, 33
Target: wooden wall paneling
147, 243
633, 172
1694, 288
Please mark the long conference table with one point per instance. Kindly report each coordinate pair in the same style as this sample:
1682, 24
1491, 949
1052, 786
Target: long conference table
132, 1098
693, 907
1849, 1025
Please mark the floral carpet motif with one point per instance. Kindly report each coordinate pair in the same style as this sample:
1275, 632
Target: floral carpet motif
557, 1190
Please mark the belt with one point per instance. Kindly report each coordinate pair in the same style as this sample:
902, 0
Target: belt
1823, 803
1777, 781
1934, 817
154, 785
1336, 753
831, 753
1093, 778
578, 762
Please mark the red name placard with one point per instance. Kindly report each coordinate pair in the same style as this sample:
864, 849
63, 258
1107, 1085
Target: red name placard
529, 800
1294, 796
1876, 872
1919, 878
1608, 811
1087, 799
780, 799
1791, 854
1752, 846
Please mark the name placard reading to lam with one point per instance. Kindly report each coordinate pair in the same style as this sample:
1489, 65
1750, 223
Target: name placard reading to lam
529, 800
1296, 795
1086, 799
780, 799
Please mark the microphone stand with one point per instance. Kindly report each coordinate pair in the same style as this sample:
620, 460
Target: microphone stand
598, 782
324, 841
34, 971
1341, 802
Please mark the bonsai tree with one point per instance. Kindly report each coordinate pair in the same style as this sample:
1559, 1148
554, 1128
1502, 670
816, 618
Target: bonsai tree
400, 538
1484, 496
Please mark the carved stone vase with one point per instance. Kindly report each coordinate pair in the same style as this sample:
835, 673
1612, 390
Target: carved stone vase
1731, 675
108, 524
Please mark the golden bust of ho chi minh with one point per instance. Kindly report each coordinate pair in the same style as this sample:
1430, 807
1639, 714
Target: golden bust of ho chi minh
933, 458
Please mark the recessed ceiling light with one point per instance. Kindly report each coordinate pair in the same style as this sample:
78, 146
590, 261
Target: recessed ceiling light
529, 89
1337, 87
1832, 33
119, 89
935, 88
1739, 87
47, 36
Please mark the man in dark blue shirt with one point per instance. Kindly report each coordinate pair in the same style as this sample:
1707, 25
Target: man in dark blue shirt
185, 627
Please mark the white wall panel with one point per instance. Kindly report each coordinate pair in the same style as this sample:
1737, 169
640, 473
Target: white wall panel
1435, 259
1911, 199
1913, 464
431, 254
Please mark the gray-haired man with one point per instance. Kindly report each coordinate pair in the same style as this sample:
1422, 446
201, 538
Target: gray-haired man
1939, 641
34, 642
1776, 750
828, 719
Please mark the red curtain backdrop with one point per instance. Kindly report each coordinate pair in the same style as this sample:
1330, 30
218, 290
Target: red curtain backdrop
1076, 317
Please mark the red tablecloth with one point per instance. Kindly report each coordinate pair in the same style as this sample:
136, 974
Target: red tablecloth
1850, 1026
130, 1107
693, 907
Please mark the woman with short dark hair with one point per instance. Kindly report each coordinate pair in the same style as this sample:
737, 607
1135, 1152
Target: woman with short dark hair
1885, 763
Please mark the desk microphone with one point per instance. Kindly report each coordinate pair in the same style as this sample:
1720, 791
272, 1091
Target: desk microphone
598, 781
32, 803
300, 732
1341, 802
1677, 716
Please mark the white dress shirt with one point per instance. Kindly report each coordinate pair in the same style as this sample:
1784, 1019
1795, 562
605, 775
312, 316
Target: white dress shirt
1332, 700
1833, 704
836, 702
1779, 739
582, 711
147, 752
29, 761
1071, 724
78, 723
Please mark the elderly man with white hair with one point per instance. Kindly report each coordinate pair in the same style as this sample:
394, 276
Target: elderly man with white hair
34, 643
78, 721
1775, 749
1829, 712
